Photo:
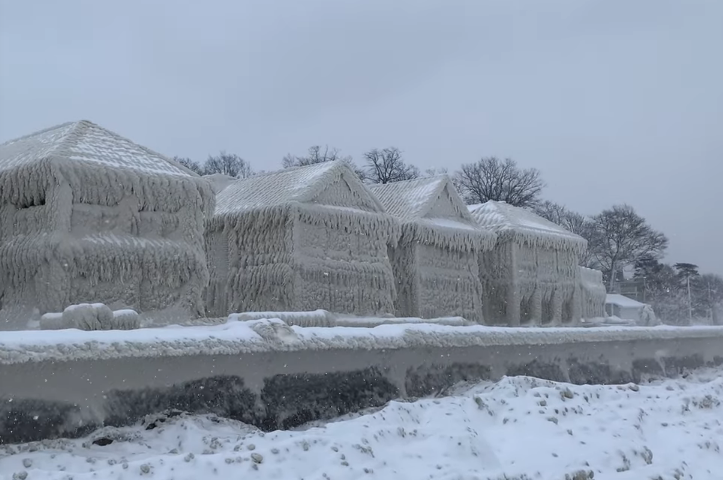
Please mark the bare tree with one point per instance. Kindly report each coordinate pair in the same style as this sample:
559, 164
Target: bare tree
433, 172
571, 221
620, 237
316, 154
561, 215
228, 164
387, 166
190, 164
493, 179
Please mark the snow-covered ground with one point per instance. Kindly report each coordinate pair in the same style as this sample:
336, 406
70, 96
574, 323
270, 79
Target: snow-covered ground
521, 427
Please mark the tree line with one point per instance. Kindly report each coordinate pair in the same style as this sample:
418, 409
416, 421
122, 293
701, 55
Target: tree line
619, 239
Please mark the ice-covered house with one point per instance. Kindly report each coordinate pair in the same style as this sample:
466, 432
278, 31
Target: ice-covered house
435, 261
623, 307
89, 216
300, 239
592, 293
532, 275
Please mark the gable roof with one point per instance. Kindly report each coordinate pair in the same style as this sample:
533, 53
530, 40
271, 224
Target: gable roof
525, 226
291, 185
413, 199
413, 202
86, 142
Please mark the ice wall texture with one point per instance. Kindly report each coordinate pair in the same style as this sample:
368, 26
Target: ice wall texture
300, 239
89, 216
435, 262
592, 293
531, 276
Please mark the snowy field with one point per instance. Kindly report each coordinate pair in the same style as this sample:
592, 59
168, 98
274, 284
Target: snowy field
518, 428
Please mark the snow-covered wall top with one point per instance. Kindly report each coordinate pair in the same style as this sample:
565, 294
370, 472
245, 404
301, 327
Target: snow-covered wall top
273, 335
84, 141
524, 226
432, 206
291, 185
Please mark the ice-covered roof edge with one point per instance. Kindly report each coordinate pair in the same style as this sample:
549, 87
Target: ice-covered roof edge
418, 228
75, 135
558, 239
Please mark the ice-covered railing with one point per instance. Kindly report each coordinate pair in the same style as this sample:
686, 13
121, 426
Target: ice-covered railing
323, 318
235, 338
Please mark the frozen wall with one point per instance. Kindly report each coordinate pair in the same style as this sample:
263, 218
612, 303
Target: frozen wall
592, 293
436, 275
525, 284
341, 271
96, 234
301, 258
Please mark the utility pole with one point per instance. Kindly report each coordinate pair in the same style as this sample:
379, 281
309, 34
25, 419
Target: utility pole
690, 303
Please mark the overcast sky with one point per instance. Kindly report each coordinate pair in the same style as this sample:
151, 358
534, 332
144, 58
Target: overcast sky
614, 101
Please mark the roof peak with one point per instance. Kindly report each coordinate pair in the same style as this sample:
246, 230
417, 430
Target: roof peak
414, 199
86, 142
295, 184
505, 218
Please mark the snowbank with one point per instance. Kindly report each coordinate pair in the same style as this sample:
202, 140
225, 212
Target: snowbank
90, 316
239, 337
517, 429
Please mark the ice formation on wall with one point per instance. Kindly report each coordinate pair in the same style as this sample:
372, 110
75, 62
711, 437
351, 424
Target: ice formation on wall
436, 259
531, 275
592, 293
300, 239
89, 216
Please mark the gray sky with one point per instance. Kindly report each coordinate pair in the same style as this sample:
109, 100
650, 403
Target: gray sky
614, 101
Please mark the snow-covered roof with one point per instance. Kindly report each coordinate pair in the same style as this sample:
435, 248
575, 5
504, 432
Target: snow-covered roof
524, 225
441, 218
291, 185
219, 181
86, 142
622, 301
413, 199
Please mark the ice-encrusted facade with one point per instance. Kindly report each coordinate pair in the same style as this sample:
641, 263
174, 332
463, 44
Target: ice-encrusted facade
531, 276
89, 216
435, 261
300, 239
592, 293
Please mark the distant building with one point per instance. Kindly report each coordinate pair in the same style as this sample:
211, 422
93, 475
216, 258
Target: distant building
89, 216
436, 259
620, 306
300, 239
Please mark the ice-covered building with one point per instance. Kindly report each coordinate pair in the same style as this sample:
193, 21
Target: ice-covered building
89, 216
531, 276
592, 293
300, 239
435, 261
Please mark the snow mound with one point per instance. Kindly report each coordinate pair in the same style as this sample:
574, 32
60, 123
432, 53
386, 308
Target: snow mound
91, 316
519, 428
